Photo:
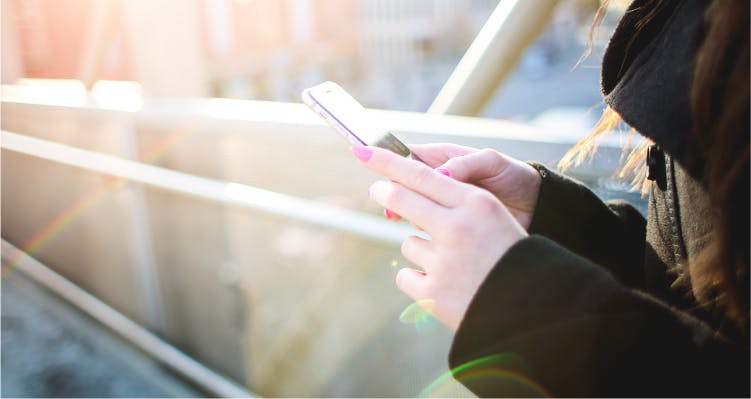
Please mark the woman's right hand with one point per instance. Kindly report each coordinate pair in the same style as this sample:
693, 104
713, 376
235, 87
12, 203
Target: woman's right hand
515, 183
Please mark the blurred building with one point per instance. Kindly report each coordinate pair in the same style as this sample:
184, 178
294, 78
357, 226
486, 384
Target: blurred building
260, 49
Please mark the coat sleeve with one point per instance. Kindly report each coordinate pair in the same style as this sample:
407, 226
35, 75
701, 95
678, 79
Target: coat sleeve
610, 234
547, 321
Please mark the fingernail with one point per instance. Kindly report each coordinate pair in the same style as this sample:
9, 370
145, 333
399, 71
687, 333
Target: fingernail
362, 153
388, 214
444, 171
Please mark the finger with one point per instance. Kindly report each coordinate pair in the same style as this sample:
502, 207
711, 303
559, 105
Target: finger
437, 154
410, 205
476, 166
416, 227
412, 174
390, 215
411, 282
420, 252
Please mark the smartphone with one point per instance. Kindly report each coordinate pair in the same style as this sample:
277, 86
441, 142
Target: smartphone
350, 119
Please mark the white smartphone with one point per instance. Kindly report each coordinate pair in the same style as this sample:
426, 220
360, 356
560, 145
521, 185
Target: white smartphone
350, 119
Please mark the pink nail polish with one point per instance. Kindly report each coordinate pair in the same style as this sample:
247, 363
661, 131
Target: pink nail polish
388, 214
362, 153
444, 171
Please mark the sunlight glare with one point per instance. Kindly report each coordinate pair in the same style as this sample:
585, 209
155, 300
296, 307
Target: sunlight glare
124, 96
62, 92
259, 111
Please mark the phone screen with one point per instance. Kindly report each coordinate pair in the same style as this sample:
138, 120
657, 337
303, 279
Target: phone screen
343, 112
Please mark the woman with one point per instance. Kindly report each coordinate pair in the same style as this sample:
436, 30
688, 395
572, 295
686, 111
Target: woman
543, 281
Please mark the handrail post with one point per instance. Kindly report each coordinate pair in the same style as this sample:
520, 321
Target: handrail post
513, 25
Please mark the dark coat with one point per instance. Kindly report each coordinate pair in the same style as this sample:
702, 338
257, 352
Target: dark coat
597, 301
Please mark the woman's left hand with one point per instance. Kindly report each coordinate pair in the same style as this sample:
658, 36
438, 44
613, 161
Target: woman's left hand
470, 230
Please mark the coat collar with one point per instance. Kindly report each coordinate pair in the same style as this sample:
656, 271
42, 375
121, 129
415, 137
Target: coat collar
647, 73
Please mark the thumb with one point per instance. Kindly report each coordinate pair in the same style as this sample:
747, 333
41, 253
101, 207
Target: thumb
475, 166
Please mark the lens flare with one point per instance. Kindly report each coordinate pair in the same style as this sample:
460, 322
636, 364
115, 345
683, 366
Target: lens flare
420, 314
72, 212
505, 374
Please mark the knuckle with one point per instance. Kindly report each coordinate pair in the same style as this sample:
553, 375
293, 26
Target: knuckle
420, 177
392, 194
488, 152
415, 289
492, 156
408, 246
389, 164
481, 201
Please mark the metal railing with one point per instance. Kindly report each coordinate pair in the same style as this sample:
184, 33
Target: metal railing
196, 373
250, 117
516, 139
245, 196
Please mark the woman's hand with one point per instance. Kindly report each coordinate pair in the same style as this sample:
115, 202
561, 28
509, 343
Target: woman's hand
515, 183
470, 230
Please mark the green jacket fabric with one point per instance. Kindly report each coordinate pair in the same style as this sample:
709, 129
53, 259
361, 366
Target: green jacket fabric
597, 300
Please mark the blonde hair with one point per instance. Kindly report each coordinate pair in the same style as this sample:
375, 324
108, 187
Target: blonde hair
633, 156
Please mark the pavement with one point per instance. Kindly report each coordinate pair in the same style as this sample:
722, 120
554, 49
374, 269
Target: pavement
51, 349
